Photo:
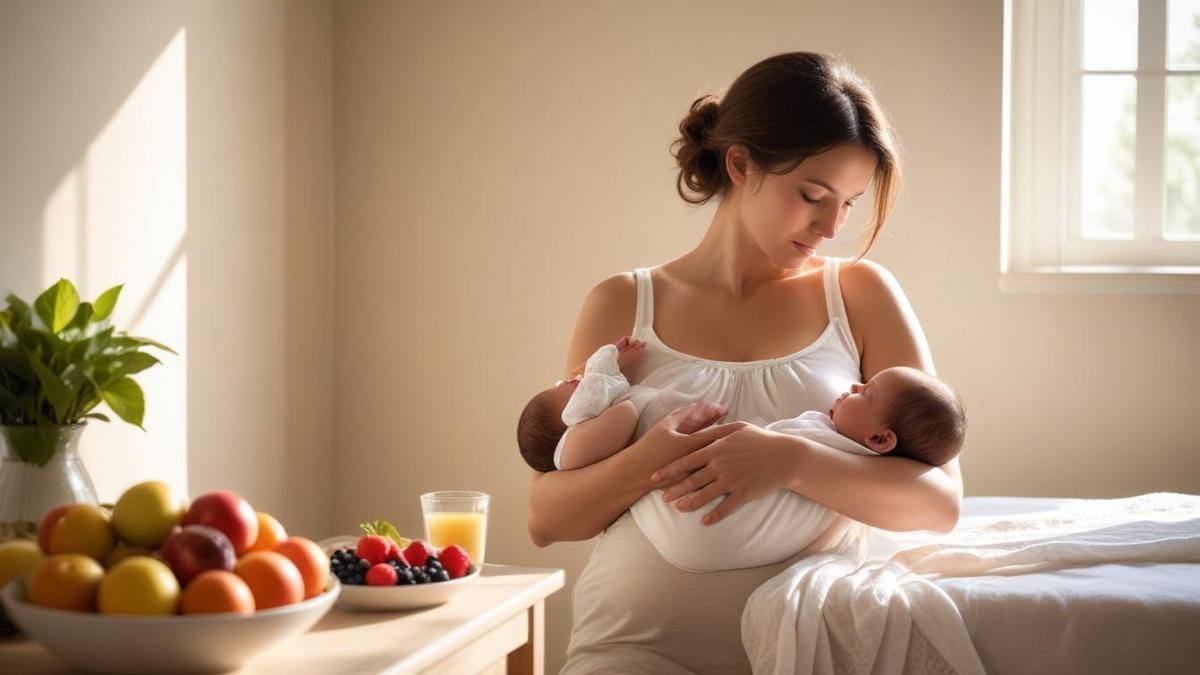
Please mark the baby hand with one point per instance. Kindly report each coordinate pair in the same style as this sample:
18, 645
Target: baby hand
629, 351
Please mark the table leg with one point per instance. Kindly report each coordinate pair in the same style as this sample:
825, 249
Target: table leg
530, 658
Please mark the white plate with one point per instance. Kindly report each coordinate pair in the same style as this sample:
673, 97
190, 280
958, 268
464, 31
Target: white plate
395, 598
198, 643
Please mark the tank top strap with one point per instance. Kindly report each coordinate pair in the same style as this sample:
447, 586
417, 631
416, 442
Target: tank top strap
836, 307
644, 318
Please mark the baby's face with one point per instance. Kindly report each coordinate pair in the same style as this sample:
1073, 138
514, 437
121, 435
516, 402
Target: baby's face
861, 412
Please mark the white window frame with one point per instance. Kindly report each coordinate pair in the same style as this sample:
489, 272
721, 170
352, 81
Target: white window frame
1041, 249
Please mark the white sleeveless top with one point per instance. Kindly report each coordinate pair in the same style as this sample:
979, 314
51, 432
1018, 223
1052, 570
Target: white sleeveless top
633, 611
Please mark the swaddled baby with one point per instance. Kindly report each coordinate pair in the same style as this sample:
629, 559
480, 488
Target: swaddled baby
900, 411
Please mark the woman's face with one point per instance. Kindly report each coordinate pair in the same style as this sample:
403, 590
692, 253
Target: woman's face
791, 215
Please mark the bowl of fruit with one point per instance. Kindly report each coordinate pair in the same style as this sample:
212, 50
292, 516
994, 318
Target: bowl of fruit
381, 570
158, 585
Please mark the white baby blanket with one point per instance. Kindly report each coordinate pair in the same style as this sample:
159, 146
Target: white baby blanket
835, 613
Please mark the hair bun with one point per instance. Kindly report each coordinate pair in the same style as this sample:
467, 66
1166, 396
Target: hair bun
701, 119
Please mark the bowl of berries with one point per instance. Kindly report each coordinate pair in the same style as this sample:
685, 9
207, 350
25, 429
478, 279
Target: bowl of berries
381, 570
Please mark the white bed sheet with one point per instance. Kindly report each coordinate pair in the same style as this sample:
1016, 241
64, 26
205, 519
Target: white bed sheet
1142, 618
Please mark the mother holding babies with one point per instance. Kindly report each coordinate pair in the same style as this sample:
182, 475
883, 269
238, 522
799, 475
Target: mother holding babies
755, 325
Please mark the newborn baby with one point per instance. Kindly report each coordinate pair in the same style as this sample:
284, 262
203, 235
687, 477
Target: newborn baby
900, 411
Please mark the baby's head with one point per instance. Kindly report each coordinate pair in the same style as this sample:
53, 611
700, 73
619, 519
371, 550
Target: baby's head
904, 412
540, 426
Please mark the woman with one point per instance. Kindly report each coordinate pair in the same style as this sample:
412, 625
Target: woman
754, 322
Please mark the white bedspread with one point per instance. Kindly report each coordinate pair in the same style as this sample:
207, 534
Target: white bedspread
909, 611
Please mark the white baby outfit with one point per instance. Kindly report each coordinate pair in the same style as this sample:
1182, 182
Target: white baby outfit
761, 532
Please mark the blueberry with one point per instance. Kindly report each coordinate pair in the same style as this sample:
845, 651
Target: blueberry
404, 577
440, 575
420, 576
363, 564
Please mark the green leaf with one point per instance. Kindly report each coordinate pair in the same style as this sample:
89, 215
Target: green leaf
98, 416
56, 307
126, 363
82, 317
384, 529
133, 341
125, 398
106, 302
58, 393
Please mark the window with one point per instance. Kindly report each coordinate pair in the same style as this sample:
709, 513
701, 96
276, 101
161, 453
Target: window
1101, 143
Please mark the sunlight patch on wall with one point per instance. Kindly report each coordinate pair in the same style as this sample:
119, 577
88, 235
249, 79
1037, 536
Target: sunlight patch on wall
120, 216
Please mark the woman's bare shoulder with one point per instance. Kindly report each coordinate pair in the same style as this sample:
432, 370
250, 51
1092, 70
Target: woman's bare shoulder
607, 315
882, 321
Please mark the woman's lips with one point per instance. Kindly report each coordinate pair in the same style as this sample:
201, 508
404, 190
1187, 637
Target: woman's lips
802, 248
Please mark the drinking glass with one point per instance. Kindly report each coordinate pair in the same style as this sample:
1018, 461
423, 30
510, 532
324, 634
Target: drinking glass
457, 517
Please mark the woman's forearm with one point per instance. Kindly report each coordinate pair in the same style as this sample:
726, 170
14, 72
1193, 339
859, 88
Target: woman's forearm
890, 493
579, 504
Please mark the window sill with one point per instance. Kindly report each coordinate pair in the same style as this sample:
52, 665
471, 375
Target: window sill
1102, 279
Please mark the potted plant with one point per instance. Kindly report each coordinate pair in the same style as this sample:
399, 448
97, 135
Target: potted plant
59, 359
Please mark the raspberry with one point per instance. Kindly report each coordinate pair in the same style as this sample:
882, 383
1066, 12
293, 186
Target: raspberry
455, 560
372, 548
393, 551
418, 552
382, 575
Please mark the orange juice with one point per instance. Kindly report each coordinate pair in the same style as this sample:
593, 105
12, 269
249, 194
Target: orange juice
468, 530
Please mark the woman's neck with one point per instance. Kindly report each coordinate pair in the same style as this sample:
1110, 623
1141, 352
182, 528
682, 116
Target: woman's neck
728, 261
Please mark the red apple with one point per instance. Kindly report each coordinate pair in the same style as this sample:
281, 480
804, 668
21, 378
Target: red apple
228, 513
50, 521
196, 549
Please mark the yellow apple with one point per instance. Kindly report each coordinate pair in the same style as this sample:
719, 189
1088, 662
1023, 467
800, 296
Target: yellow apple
84, 529
146, 512
18, 557
139, 585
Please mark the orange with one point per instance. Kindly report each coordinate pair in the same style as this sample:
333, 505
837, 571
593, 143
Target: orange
270, 533
66, 581
273, 579
310, 560
217, 591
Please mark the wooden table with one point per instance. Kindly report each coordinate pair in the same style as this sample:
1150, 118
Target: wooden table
497, 625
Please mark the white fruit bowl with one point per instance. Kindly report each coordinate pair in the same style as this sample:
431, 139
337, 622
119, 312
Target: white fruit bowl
396, 598
200, 643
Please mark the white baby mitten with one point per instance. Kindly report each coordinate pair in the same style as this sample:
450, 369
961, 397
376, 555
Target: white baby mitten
602, 383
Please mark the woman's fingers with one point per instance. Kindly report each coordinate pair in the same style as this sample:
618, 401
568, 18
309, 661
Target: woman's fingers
711, 490
694, 482
726, 507
682, 466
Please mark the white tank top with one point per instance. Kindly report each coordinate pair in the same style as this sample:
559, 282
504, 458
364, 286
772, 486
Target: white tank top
773, 527
632, 611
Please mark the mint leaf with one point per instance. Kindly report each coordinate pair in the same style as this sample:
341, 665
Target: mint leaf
384, 529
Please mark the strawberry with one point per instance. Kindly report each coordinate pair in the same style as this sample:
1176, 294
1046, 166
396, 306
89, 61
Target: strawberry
373, 548
382, 574
455, 560
418, 552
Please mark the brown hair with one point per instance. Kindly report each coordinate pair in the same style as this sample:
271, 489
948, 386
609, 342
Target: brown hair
785, 109
929, 421
538, 431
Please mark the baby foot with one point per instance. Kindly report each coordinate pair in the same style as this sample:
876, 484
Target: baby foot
629, 351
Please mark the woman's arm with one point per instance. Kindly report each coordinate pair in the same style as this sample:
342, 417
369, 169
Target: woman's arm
894, 493
579, 504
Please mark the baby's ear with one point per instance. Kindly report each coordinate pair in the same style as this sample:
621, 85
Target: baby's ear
882, 441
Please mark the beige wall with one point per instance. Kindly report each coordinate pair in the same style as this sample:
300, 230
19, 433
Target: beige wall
233, 266
493, 164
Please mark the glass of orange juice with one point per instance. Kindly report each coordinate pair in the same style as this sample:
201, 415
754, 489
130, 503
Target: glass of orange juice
457, 517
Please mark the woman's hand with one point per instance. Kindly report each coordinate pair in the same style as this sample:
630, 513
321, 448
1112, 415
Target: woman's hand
745, 465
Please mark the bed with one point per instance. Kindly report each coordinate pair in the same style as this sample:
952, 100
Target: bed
1115, 617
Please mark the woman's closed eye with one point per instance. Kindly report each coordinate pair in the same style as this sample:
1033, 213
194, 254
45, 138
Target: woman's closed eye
810, 200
